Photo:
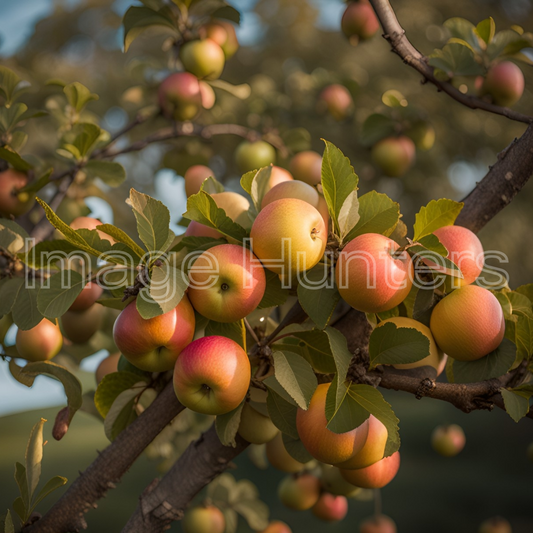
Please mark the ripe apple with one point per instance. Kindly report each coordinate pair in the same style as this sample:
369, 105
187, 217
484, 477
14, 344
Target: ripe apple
204, 58
209, 519
373, 449
91, 223
154, 344
289, 236
212, 375
378, 524
40, 343
370, 276
330, 508
180, 96
359, 22
505, 83
394, 155
307, 167
337, 100
280, 458
194, 177
80, 326
448, 440
87, 297
333, 482
319, 441
496, 524
276, 526
299, 493
468, 323
12, 203
375, 476
223, 33
255, 427
227, 283
107, 366
207, 94
436, 355
254, 155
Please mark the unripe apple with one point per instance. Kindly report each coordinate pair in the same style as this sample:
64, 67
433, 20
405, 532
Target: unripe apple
255, 427
448, 440
280, 458
330, 508
378, 524
289, 236
12, 203
207, 94
337, 100
254, 155
227, 283
299, 493
370, 276
333, 482
209, 519
40, 343
107, 366
394, 155
436, 355
375, 476
154, 344
80, 326
87, 297
91, 224
223, 33
496, 524
204, 58
505, 83
307, 167
212, 375
468, 323
422, 134
321, 442
194, 177
276, 526
359, 22
180, 96
373, 449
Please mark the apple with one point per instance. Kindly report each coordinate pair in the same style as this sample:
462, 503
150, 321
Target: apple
333, 482
108, 365
448, 440
422, 134
204, 58
394, 155
194, 177
375, 476
80, 326
180, 96
373, 449
280, 458
496, 524
209, 519
307, 167
468, 323
223, 33
91, 224
276, 526
40, 343
319, 441
436, 355
254, 155
207, 94
505, 83
378, 524
359, 22
212, 375
370, 276
299, 493
337, 100
11, 203
87, 297
289, 236
255, 427
330, 508
154, 344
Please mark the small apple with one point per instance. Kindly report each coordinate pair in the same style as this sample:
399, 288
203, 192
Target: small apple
280, 458
209, 519
468, 323
87, 297
154, 344
378, 524
194, 177
359, 22
180, 96
448, 440
375, 476
108, 365
496, 524
11, 203
208, 95
370, 276
91, 224
80, 326
333, 482
505, 83
337, 100
223, 33
204, 58
254, 155
276, 526
299, 493
394, 155
212, 375
307, 167
255, 427
40, 343
330, 508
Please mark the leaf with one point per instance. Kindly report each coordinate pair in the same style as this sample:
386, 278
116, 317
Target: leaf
241, 91
45, 254
231, 520
339, 350
257, 455
85, 139
229, 13
255, 512
434, 260
423, 306
349, 214
342, 411
167, 286
435, 215
296, 449
296, 376
146, 305
282, 413
110, 387
524, 336
8, 523
232, 330
375, 128
9, 81
78, 96
122, 413
297, 140
138, 19
500, 42
211, 186
9, 118
526, 290
58, 294
486, 30
227, 426
34, 456
462, 29
26, 314
52, 484
394, 98
275, 295
15, 160
110, 172
520, 304
121, 236
22, 483
19, 508
12, 236
516, 405
9, 292
456, 59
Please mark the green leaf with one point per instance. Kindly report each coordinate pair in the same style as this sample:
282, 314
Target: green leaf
229, 13
500, 42
282, 413
121, 236
9, 81
520, 304
18, 140
423, 306
524, 336
486, 30
9, 292
146, 305
9, 118
231, 520
232, 330
296, 449
516, 405
167, 286
343, 413
12, 236
275, 294
8, 523
15, 160
349, 214
20, 509
37, 185
241, 91
122, 412
460, 28
111, 173
255, 512
212, 186
434, 259
456, 59
375, 128
59, 293
526, 290
52, 484
34, 456
26, 314
45, 254
22, 483
78, 96
435, 215
110, 387
260, 186
227, 426
339, 350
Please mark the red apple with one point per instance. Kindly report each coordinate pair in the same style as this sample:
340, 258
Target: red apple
87, 297
91, 224
330, 508
359, 22
307, 167
394, 155
208, 519
107, 366
223, 33
375, 476
40, 343
11, 203
299, 492
208, 95
180, 96
194, 177
276, 526
378, 524
337, 100
505, 83
448, 440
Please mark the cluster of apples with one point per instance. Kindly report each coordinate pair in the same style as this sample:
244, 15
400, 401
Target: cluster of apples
183, 94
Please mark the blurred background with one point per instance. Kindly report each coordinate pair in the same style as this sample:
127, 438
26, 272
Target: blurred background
290, 49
